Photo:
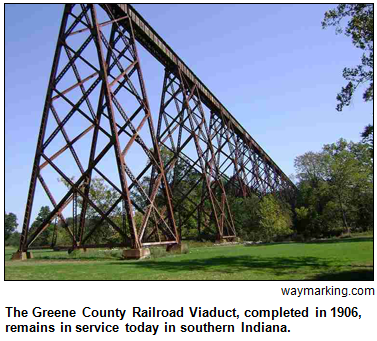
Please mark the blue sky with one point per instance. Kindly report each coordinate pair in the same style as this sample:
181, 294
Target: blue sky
272, 66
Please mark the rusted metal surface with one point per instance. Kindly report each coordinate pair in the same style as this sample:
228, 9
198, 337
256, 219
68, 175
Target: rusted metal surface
198, 147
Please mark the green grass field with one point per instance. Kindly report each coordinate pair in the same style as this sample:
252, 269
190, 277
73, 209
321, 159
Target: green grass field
338, 259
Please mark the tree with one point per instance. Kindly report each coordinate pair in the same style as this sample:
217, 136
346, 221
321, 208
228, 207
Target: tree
103, 196
368, 138
349, 173
360, 28
274, 219
13, 240
245, 213
10, 224
45, 237
312, 200
335, 189
309, 167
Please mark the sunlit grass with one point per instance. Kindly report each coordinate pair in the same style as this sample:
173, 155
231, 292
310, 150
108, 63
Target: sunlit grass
340, 259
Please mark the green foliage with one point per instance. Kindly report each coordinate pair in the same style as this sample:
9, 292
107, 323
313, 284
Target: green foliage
349, 174
335, 190
63, 237
10, 225
309, 167
185, 194
368, 138
274, 219
158, 252
103, 196
45, 237
360, 28
253, 220
264, 219
13, 240
245, 212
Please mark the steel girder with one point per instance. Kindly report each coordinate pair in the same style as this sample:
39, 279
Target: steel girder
108, 100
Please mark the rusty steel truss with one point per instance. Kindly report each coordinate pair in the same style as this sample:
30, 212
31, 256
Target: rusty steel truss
97, 97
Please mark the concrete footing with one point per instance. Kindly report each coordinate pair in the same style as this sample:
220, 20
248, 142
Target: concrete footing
22, 255
228, 240
177, 248
136, 253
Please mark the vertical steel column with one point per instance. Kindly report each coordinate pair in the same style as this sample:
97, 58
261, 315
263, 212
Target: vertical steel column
42, 131
74, 217
96, 31
159, 166
100, 108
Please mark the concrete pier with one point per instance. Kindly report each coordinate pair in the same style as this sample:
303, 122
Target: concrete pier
177, 248
136, 253
20, 255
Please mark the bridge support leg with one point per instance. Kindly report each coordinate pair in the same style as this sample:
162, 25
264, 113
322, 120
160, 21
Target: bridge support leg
136, 253
177, 248
22, 255
221, 240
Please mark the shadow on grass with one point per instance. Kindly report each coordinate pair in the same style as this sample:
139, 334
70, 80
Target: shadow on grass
270, 265
354, 275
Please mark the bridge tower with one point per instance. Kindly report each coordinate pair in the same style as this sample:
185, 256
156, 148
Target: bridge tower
96, 95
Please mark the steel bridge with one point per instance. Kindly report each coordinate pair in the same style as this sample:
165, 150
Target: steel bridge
97, 97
